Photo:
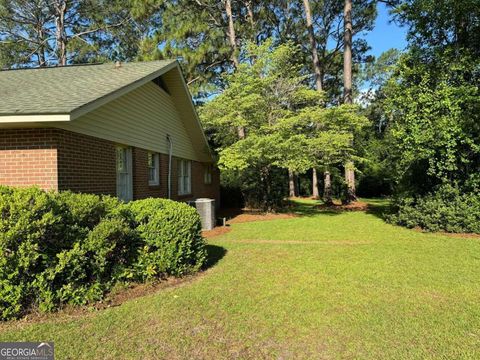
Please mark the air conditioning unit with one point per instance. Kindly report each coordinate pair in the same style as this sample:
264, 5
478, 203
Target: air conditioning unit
206, 209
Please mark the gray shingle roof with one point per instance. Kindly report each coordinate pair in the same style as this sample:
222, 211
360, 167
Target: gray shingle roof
61, 90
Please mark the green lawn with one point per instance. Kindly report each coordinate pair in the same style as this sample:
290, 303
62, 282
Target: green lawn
322, 285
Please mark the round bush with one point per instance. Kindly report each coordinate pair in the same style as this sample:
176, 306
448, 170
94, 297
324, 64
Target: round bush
171, 232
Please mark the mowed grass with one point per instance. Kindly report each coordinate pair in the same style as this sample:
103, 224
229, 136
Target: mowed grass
323, 285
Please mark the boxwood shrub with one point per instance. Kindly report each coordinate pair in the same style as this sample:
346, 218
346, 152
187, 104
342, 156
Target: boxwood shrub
171, 238
447, 209
67, 248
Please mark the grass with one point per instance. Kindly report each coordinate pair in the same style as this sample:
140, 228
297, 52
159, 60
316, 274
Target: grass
323, 285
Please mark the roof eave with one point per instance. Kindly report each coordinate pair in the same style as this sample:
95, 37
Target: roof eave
34, 118
195, 113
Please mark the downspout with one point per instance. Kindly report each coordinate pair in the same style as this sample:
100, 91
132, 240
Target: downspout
170, 146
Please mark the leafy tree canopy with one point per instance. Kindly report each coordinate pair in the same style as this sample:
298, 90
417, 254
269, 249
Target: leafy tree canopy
287, 124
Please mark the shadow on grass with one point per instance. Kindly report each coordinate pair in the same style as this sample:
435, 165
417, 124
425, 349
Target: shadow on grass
380, 208
214, 255
309, 210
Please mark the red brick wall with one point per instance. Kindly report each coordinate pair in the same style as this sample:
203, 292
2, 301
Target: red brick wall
86, 164
63, 160
199, 188
27, 157
141, 188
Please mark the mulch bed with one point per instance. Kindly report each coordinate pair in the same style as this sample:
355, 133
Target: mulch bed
236, 216
354, 206
248, 217
219, 230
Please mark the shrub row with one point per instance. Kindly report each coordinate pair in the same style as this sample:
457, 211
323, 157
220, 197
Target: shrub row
447, 209
67, 248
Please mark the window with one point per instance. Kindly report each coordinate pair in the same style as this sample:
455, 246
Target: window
184, 177
124, 173
153, 169
207, 176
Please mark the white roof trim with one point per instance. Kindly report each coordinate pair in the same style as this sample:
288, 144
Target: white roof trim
194, 110
34, 118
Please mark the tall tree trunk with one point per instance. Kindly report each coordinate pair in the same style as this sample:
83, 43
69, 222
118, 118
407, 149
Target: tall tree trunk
327, 193
347, 91
292, 188
42, 62
231, 33
232, 37
315, 192
317, 69
313, 44
347, 53
60, 33
251, 19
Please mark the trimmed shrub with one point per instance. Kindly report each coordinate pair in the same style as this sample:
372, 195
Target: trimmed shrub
172, 238
447, 209
66, 248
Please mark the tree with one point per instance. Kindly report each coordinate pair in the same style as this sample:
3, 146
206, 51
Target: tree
289, 128
432, 99
206, 35
317, 68
59, 32
231, 36
318, 79
347, 91
374, 143
323, 26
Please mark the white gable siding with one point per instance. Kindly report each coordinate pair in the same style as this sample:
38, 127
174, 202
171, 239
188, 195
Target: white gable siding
141, 118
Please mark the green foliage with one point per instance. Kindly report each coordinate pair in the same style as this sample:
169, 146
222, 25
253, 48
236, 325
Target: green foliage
65, 248
426, 114
171, 237
435, 122
287, 125
447, 209
93, 31
447, 24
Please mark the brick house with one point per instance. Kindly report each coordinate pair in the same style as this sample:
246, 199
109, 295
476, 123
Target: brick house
128, 130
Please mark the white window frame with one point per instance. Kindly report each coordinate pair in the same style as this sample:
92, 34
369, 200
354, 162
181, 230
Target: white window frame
207, 175
155, 166
124, 173
184, 170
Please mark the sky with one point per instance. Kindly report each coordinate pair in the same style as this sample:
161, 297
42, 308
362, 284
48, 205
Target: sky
385, 35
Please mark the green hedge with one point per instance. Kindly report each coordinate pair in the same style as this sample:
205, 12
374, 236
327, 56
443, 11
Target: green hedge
447, 209
66, 248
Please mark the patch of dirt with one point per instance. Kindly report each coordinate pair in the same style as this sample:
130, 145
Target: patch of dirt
219, 230
354, 206
461, 235
248, 217
134, 291
453, 235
